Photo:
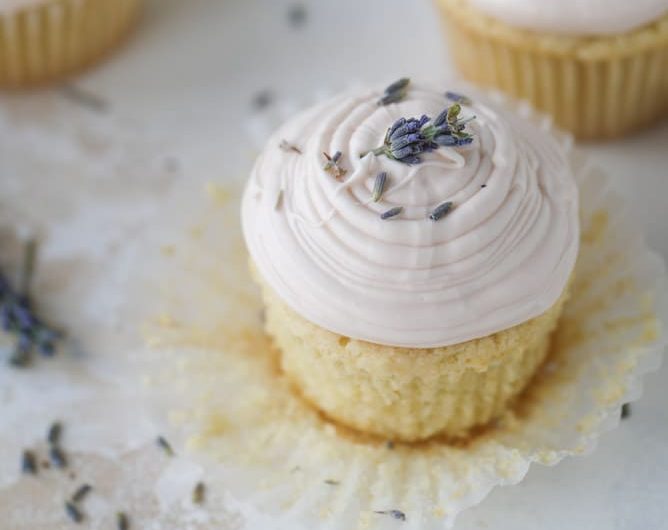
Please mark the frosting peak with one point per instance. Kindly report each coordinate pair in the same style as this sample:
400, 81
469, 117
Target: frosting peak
576, 17
501, 256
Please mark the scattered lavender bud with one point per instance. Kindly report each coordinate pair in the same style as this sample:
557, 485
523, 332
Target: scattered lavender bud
18, 318
379, 186
57, 457
626, 411
287, 146
81, 493
84, 98
165, 446
54, 433
297, 15
458, 98
262, 100
73, 512
392, 212
29, 463
332, 165
199, 493
441, 211
395, 514
395, 92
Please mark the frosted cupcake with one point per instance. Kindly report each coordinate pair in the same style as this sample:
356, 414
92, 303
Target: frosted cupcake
41, 40
599, 67
414, 254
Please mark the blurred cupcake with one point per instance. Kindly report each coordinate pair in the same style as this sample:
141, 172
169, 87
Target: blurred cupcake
41, 40
599, 67
414, 254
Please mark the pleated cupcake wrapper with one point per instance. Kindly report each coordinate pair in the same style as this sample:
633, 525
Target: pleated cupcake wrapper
214, 381
52, 38
592, 97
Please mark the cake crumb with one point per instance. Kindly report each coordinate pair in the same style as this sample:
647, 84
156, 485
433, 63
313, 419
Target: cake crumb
167, 250
217, 193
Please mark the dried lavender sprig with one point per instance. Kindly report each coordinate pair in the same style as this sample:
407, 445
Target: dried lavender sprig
407, 138
392, 212
396, 514
379, 186
18, 318
441, 211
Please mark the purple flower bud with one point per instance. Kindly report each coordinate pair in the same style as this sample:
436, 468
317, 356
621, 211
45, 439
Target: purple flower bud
405, 152
441, 118
402, 142
446, 140
23, 317
395, 126
411, 126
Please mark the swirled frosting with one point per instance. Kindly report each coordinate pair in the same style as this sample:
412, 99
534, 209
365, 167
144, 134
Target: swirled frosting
575, 17
502, 256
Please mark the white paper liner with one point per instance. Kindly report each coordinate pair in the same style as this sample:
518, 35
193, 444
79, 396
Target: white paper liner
216, 381
261, 451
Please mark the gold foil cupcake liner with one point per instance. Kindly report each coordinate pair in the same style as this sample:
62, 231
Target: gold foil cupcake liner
49, 39
594, 88
215, 383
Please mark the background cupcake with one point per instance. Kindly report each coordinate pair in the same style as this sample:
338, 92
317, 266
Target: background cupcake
599, 67
412, 289
42, 40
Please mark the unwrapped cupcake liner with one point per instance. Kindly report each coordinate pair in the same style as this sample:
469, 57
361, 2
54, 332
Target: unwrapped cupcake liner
594, 91
213, 379
48, 39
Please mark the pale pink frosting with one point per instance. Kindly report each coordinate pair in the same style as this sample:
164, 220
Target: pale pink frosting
501, 257
575, 17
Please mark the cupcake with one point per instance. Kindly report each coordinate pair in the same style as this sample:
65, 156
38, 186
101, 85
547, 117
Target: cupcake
414, 250
41, 40
599, 67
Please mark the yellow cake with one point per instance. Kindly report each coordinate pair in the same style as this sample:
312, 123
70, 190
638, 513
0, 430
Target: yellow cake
412, 282
408, 394
43, 40
599, 71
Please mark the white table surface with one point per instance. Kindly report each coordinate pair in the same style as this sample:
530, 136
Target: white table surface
193, 67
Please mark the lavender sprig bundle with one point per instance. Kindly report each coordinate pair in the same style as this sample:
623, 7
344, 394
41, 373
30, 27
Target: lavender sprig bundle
408, 138
17, 317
